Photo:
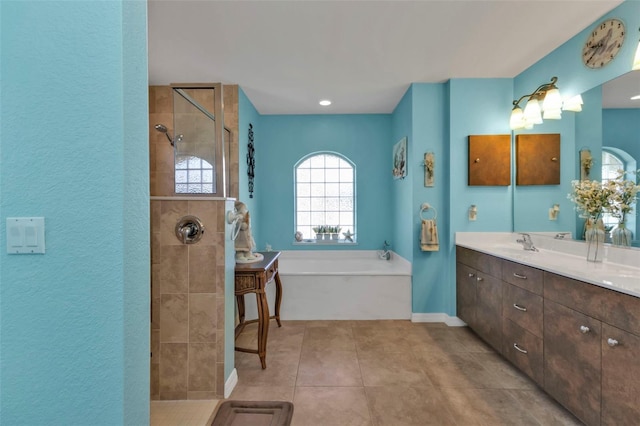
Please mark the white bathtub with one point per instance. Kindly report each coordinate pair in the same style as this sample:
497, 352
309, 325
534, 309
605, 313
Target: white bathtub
340, 285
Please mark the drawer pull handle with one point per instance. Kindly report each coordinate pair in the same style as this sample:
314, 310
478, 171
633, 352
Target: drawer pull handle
522, 277
612, 342
520, 308
584, 329
471, 275
478, 278
515, 345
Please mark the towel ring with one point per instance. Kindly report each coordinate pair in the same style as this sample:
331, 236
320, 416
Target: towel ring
424, 207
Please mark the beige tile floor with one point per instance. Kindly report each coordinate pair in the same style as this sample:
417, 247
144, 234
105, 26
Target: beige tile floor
390, 373
379, 373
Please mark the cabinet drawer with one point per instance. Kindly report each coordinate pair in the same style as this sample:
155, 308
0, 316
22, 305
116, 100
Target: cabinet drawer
574, 294
523, 308
524, 350
618, 309
623, 311
523, 276
482, 262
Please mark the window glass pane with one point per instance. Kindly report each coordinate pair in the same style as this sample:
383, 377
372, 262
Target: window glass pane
194, 188
207, 176
207, 188
304, 218
331, 161
332, 175
317, 203
333, 218
181, 162
346, 204
304, 190
317, 218
194, 163
194, 176
346, 175
332, 190
181, 176
346, 189
304, 204
332, 204
317, 175
346, 218
317, 189
181, 188
303, 175
317, 161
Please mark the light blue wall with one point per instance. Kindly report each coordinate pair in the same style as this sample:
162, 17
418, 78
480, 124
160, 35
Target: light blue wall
531, 203
285, 139
247, 113
477, 107
401, 189
430, 134
74, 149
566, 61
621, 130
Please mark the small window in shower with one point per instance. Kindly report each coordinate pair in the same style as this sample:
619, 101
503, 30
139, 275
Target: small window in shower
193, 175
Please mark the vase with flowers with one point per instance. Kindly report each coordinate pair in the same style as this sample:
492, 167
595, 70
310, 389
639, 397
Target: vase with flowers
592, 199
622, 201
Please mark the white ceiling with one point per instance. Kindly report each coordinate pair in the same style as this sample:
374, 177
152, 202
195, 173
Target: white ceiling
287, 55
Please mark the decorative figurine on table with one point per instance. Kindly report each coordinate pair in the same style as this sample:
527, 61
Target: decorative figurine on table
244, 243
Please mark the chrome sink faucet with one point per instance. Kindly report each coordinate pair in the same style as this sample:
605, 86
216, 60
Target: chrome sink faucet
526, 242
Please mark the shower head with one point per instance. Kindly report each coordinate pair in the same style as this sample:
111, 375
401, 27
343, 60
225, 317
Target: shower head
163, 129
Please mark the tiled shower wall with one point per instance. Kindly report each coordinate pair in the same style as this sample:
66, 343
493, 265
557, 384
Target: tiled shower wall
187, 281
161, 151
187, 312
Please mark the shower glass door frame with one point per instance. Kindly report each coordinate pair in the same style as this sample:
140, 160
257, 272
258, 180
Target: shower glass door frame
220, 181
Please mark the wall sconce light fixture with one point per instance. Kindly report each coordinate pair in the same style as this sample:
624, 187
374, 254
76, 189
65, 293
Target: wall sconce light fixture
636, 59
545, 102
553, 212
473, 212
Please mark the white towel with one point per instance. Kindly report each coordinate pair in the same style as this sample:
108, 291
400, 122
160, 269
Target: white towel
429, 235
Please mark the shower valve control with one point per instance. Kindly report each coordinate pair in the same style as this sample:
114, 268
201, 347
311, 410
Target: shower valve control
189, 229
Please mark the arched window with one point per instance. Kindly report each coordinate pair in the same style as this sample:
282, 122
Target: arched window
611, 166
324, 193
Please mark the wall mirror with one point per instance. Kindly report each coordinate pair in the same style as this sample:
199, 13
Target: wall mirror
620, 135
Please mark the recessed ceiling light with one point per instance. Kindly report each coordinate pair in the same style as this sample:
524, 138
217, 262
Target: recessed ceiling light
635, 98
325, 102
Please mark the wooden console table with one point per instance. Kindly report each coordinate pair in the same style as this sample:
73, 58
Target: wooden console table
253, 278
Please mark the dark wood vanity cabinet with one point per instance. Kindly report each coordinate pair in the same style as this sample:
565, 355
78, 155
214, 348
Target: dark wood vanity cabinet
578, 341
479, 294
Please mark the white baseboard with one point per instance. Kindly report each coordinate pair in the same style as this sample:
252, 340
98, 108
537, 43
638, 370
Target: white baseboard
231, 383
438, 317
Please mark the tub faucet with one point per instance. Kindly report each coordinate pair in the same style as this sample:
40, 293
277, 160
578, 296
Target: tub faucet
385, 254
526, 242
562, 235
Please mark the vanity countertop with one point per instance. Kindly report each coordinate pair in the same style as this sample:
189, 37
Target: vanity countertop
562, 257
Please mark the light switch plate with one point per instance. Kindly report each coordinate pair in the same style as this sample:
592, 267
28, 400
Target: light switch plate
25, 235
